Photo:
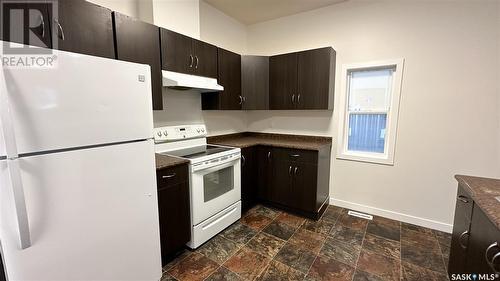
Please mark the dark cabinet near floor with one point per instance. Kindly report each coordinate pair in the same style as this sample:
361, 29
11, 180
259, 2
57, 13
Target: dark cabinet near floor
294, 179
35, 17
475, 245
183, 54
229, 76
139, 42
174, 209
255, 82
483, 254
248, 177
461, 232
302, 80
85, 28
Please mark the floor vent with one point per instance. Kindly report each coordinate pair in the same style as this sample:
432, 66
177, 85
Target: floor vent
360, 215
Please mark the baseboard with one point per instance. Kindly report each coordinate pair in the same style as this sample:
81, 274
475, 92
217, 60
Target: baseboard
393, 215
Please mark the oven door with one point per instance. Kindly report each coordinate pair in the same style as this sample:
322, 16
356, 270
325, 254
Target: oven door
215, 188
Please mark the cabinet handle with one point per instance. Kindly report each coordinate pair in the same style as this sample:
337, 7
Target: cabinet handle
298, 98
243, 160
191, 61
492, 265
197, 61
169, 176
293, 99
464, 199
296, 170
290, 171
294, 155
488, 250
43, 25
241, 100
244, 99
460, 239
61, 30
269, 155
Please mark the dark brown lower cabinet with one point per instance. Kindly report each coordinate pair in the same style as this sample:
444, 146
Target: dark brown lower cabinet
293, 179
249, 177
475, 241
483, 253
174, 211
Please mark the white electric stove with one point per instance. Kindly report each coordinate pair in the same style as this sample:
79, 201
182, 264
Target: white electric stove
215, 178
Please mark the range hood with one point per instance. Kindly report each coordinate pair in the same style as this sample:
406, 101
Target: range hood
181, 81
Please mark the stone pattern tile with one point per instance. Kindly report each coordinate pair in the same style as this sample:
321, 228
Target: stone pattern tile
269, 244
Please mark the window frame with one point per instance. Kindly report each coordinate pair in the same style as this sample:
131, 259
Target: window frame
386, 158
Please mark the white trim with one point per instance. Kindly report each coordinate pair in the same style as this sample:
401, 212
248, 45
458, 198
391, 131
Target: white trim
441, 226
386, 158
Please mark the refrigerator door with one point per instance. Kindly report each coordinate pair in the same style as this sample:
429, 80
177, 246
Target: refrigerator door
81, 101
93, 215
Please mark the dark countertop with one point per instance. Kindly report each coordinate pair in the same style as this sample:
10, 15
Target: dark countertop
248, 139
483, 191
165, 161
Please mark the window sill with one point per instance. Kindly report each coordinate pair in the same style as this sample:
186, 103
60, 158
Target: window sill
367, 158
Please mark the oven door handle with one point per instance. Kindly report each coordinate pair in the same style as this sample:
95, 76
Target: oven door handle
216, 168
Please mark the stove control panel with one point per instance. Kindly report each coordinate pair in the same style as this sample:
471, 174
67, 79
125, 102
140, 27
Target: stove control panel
176, 133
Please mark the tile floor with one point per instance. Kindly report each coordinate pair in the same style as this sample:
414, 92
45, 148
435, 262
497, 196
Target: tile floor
267, 244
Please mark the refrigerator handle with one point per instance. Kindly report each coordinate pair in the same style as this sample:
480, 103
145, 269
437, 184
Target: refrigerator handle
6, 118
19, 203
7, 128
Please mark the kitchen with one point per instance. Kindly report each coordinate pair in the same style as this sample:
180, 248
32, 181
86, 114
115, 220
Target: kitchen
286, 192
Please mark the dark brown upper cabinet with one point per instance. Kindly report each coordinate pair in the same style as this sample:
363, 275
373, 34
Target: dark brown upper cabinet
33, 14
85, 28
229, 76
187, 55
255, 82
302, 80
139, 42
282, 81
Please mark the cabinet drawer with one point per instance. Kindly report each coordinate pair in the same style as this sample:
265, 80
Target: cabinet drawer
297, 155
172, 175
464, 203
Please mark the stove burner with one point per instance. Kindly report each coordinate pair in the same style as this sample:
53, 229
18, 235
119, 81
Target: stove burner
197, 151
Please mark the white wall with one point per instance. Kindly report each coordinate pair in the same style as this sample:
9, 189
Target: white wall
449, 108
127, 7
182, 16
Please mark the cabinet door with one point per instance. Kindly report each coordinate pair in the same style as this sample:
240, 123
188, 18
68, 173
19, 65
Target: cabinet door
282, 181
205, 62
303, 188
255, 82
459, 241
248, 178
483, 236
229, 69
84, 28
316, 72
139, 42
34, 31
174, 212
265, 170
283, 81
177, 52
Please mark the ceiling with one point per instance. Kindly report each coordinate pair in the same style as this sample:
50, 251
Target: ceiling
254, 11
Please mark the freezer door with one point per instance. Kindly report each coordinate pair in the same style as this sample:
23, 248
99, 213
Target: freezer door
93, 215
81, 101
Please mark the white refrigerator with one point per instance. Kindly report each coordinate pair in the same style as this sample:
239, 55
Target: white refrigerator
77, 178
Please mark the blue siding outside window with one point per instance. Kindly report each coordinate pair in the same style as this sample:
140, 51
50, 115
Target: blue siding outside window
367, 132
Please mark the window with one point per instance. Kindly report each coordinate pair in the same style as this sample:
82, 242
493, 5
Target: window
369, 113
